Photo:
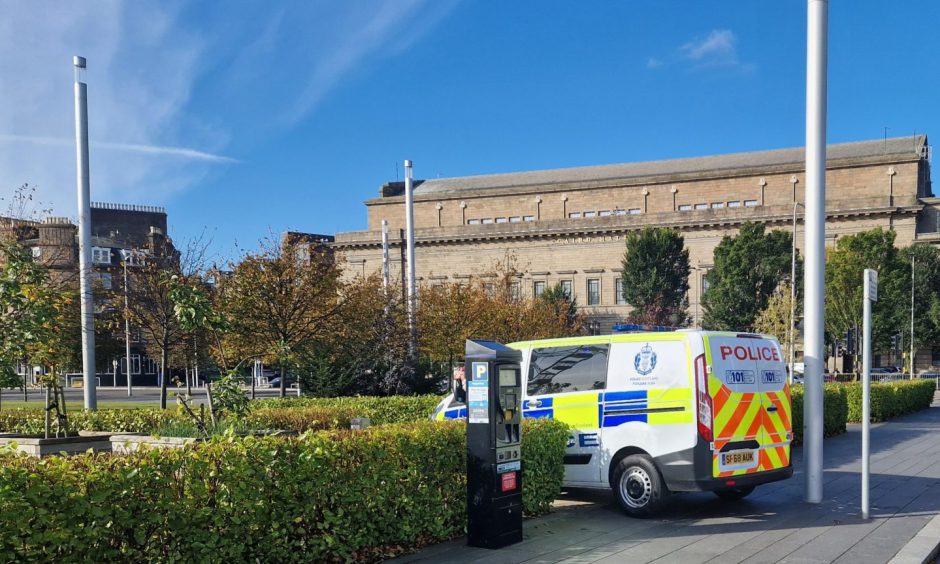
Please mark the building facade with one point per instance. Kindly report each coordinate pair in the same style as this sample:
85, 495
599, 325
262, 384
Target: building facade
568, 225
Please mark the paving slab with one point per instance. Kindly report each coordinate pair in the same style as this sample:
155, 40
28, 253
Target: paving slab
774, 524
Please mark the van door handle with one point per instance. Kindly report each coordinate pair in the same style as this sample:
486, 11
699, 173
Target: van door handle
772, 408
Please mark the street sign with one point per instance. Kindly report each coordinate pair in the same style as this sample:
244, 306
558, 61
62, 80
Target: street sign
871, 277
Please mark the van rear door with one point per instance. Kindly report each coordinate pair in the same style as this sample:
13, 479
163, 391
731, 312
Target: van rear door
747, 383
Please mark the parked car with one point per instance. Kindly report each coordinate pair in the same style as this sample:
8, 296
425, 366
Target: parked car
276, 381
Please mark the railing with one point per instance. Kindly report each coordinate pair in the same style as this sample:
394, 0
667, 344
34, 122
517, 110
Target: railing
883, 377
127, 207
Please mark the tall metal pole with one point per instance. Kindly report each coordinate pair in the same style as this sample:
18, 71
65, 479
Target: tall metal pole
410, 242
793, 292
127, 329
815, 233
912, 315
84, 235
866, 385
385, 269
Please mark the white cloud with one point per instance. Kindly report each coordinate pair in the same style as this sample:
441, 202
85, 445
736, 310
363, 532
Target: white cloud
653, 63
141, 69
717, 49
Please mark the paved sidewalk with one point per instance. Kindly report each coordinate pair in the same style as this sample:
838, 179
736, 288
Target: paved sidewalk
772, 525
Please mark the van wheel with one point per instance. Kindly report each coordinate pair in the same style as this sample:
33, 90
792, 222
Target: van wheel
734, 494
638, 487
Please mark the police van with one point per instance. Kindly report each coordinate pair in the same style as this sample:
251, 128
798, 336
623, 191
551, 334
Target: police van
655, 413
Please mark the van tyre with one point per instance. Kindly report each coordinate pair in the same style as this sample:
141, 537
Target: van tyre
734, 494
638, 486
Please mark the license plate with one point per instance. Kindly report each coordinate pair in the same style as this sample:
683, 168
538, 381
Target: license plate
737, 460
745, 457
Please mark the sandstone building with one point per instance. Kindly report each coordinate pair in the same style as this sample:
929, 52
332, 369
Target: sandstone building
568, 225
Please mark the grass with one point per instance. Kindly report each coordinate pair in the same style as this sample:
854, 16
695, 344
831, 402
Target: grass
189, 429
38, 403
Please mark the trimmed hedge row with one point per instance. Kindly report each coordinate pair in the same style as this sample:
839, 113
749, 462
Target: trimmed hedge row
891, 399
835, 409
289, 414
326, 496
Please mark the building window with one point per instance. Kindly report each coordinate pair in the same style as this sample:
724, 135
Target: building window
502, 220
473, 222
593, 291
487, 220
131, 257
705, 283
528, 218
604, 213
135, 364
558, 370
618, 291
750, 203
620, 212
635, 211
734, 204
135, 334
717, 205
538, 288
104, 278
514, 292
574, 215
37, 252
566, 286
100, 255
685, 207
515, 219
935, 356
701, 206
590, 214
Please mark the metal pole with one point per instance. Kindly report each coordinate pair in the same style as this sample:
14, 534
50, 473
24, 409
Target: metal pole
127, 329
866, 391
84, 236
410, 242
385, 271
815, 237
793, 293
912, 315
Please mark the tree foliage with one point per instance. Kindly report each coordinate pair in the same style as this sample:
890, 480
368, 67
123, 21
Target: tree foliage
656, 277
748, 268
775, 318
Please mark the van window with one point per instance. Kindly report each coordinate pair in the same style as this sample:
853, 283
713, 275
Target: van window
568, 369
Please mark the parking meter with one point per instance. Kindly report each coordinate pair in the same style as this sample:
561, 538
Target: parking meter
494, 444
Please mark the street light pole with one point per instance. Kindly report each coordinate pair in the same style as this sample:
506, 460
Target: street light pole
912, 314
410, 244
793, 292
84, 236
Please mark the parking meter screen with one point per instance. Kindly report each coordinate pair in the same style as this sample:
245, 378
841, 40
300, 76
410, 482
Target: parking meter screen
508, 376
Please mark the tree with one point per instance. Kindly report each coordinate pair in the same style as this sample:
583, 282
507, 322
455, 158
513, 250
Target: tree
748, 268
278, 300
564, 306
775, 318
151, 308
656, 277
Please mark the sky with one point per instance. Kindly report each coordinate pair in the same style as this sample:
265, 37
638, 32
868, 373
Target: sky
247, 119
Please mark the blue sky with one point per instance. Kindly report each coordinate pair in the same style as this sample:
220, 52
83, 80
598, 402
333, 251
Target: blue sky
248, 119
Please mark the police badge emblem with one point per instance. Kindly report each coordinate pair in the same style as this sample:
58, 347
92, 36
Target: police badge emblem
645, 360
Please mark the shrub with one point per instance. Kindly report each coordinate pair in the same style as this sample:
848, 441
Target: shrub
891, 399
31, 421
325, 496
380, 410
835, 410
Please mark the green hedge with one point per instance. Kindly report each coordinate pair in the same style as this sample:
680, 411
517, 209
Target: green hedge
379, 410
32, 421
338, 495
891, 399
835, 409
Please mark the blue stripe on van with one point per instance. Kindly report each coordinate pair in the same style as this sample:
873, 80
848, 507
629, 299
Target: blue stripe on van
615, 420
633, 395
458, 413
543, 403
539, 413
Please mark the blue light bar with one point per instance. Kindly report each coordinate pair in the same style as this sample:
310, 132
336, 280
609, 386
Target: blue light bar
634, 328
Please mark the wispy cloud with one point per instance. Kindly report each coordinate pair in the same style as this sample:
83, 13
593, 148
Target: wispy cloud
182, 152
717, 49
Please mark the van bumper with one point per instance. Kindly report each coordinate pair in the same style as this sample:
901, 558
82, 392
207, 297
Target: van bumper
682, 476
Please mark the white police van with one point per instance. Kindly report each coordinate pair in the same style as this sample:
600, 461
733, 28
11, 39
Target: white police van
654, 413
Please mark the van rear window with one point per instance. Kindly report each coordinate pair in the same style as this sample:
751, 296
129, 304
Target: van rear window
555, 370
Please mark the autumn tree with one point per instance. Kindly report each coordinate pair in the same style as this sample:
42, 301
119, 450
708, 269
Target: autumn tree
775, 318
748, 268
278, 300
656, 277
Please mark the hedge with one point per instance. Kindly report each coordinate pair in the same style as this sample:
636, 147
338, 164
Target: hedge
891, 399
835, 409
325, 496
290, 414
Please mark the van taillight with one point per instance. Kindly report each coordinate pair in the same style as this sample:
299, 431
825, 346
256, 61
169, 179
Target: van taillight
705, 407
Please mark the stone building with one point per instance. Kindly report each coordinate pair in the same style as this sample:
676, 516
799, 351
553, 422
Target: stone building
118, 230
568, 225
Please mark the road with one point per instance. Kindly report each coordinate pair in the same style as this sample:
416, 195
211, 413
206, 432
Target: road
142, 395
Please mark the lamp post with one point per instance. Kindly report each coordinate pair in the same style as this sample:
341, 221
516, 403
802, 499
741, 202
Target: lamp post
792, 335
912, 315
126, 255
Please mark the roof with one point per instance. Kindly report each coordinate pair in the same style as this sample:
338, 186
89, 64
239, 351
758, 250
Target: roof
905, 147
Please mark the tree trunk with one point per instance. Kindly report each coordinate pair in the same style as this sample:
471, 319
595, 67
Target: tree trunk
164, 358
283, 392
